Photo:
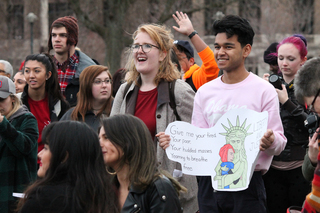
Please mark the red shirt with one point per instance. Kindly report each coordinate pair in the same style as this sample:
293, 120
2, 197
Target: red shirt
146, 107
40, 109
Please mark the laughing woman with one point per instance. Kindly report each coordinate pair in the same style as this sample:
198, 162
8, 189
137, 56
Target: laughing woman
94, 97
42, 93
149, 94
18, 146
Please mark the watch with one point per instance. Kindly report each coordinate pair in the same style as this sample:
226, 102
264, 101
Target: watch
192, 34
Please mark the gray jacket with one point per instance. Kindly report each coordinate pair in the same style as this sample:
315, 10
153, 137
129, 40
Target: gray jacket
184, 95
73, 86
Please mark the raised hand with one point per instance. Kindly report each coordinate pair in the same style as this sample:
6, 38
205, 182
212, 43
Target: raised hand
185, 25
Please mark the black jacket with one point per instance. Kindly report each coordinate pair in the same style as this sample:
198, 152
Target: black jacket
293, 116
51, 198
159, 197
54, 115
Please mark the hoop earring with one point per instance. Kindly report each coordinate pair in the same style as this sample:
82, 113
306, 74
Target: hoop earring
111, 173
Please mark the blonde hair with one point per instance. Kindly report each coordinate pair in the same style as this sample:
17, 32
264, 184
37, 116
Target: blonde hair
164, 39
15, 105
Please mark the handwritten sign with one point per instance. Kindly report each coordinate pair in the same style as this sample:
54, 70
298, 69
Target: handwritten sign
227, 152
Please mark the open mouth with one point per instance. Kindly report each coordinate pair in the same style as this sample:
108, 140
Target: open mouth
141, 58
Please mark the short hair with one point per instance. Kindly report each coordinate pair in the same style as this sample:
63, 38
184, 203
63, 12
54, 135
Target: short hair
164, 39
7, 67
52, 84
235, 25
184, 50
307, 80
85, 97
298, 42
224, 152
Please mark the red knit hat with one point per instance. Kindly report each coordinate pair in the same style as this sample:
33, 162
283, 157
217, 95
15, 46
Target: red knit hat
71, 24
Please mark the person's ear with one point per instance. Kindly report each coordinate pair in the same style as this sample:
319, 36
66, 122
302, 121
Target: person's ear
191, 61
162, 55
49, 75
65, 158
303, 61
246, 50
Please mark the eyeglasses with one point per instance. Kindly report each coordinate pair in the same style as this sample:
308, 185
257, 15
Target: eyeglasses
99, 82
181, 58
311, 108
145, 47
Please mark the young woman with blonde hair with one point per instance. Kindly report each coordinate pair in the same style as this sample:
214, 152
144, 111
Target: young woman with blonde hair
152, 89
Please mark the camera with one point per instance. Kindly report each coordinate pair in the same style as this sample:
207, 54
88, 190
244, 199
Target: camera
276, 81
312, 123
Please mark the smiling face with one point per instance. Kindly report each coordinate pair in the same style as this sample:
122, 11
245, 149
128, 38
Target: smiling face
228, 52
59, 37
45, 156
36, 75
289, 59
147, 63
6, 105
101, 92
19, 81
111, 155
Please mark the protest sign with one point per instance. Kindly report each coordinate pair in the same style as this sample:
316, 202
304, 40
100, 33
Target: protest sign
227, 152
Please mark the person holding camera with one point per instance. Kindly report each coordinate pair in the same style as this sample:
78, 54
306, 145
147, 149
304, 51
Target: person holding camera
284, 176
307, 91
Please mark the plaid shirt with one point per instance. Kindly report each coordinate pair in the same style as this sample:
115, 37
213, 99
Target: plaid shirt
18, 157
66, 76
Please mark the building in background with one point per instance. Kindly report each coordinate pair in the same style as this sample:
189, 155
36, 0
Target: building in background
272, 20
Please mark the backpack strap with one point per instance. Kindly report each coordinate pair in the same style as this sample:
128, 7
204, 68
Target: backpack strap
126, 89
173, 100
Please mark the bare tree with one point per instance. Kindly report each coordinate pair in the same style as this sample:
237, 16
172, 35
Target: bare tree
115, 20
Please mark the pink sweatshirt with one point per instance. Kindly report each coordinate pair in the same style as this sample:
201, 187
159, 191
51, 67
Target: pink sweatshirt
215, 98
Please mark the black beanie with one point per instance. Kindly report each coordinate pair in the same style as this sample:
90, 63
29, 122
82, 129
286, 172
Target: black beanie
270, 55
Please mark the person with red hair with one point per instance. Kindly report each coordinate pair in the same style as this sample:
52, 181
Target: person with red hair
226, 153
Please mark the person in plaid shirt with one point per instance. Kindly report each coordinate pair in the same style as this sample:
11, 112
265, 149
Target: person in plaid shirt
70, 62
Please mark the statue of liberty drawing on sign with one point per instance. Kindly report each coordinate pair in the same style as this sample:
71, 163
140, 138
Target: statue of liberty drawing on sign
231, 170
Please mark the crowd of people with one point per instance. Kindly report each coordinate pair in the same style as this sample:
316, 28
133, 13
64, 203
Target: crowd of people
74, 138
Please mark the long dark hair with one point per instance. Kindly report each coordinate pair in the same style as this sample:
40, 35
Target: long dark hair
130, 134
76, 158
52, 84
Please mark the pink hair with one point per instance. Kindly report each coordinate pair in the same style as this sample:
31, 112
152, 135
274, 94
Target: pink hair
224, 152
298, 43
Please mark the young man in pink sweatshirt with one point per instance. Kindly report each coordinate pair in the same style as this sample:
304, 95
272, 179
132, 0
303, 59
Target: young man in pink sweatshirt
237, 88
